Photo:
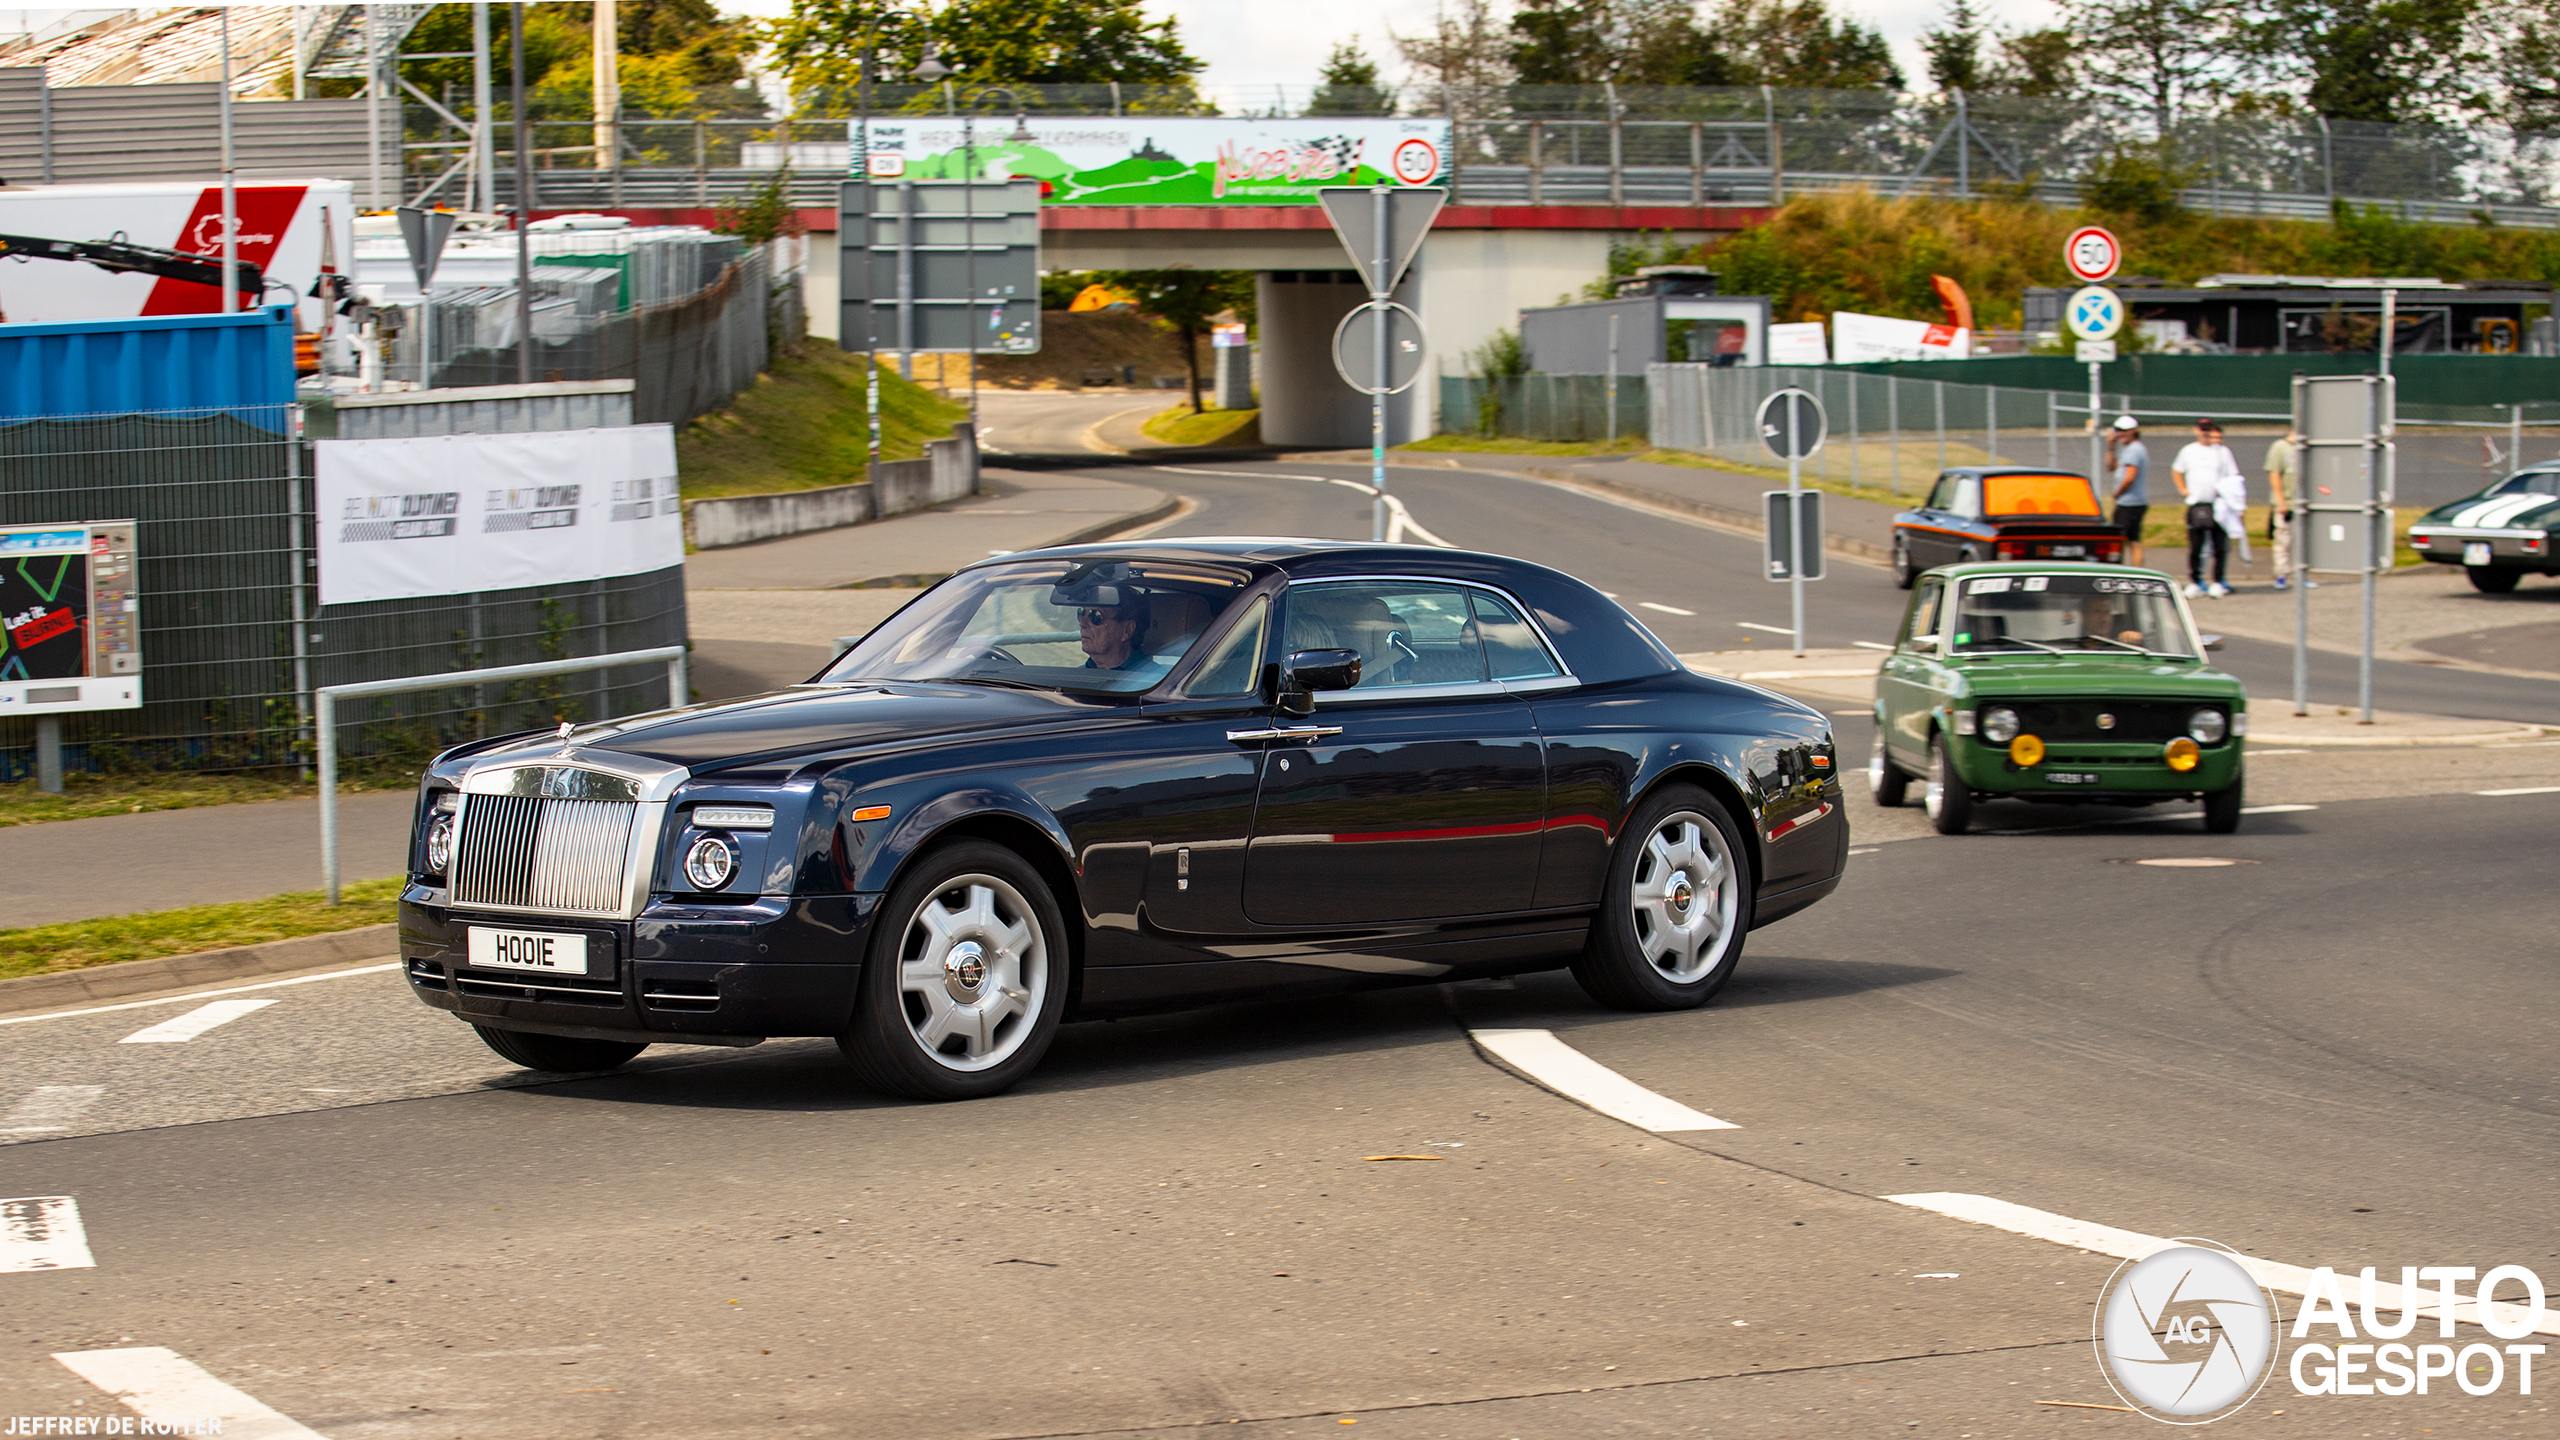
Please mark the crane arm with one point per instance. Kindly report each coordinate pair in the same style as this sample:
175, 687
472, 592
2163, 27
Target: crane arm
123, 256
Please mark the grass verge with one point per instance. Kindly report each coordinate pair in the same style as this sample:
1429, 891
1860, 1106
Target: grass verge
79, 944
86, 796
1178, 426
803, 425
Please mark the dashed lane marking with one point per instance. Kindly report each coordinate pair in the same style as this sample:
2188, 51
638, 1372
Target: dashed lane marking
1665, 609
1772, 629
42, 1232
1542, 1057
49, 1108
2523, 790
160, 1384
2274, 809
196, 1022
2128, 1244
198, 995
1871, 645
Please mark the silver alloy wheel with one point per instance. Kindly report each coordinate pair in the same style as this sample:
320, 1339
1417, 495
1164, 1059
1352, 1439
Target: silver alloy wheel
1682, 897
973, 969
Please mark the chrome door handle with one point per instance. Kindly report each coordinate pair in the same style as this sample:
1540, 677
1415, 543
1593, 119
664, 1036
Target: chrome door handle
1303, 732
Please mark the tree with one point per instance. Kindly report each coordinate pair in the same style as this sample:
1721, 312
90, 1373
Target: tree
2154, 57
2036, 64
1955, 50
1185, 301
1800, 44
1562, 42
1039, 42
2390, 61
1349, 84
2524, 38
1465, 57
1629, 42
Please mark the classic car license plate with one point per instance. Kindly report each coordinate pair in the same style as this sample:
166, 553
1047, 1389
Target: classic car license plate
544, 950
2065, 551
2475, 552
2071, 777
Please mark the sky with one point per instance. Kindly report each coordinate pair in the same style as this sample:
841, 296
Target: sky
1251, 45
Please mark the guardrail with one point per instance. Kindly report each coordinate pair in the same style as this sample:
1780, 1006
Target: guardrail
324, 702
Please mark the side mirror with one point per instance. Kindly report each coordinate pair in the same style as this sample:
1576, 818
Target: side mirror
1308, 671
2211, 642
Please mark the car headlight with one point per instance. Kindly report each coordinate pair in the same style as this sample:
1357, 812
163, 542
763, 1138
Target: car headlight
710, 863
2208, 726
1999, 724
440, 830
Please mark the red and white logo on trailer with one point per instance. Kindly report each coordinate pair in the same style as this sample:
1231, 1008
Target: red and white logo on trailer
2092, 254
1416, 161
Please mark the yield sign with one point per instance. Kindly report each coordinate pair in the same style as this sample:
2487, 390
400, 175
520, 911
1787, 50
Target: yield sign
1381, 227
2093, 312
424, 232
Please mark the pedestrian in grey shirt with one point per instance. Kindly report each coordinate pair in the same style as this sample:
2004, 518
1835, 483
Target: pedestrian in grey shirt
2132, 467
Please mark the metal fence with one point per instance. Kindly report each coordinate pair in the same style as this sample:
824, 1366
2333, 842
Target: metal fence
1544, 407
233, 638
1894, 433
1623, 145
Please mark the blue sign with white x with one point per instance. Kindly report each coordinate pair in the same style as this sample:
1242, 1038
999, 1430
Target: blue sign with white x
2094, 312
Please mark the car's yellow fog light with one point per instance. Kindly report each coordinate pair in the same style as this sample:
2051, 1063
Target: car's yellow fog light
2182, 754
2026, 750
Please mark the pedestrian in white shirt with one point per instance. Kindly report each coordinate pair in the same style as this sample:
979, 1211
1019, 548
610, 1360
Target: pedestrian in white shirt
2201, 468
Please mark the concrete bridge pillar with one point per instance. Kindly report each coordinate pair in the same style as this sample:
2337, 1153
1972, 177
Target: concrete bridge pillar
1303, 401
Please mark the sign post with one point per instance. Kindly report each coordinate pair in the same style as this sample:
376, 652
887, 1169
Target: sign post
2094, 314
2344, 475
1381, 226
422, 234
1792, 426
2092, 254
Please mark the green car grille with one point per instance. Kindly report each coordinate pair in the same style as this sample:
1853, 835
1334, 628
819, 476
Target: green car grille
2134, 720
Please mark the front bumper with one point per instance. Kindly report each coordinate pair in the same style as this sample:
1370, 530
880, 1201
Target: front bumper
692, 974
2119, 767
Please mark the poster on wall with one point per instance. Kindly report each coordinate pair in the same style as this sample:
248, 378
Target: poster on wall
278, 225
435, 515
1160, 160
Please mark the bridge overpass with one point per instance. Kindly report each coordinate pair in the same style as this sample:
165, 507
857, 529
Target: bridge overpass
1478, 268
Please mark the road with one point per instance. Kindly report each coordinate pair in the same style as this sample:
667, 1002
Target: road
2332, 1045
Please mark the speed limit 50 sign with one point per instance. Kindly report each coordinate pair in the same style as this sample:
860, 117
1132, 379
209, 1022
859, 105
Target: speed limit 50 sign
2092, 253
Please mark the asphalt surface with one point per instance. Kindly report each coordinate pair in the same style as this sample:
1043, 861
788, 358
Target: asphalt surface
2334, 1049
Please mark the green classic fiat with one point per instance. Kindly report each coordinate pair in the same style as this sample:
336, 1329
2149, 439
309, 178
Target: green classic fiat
2057, 683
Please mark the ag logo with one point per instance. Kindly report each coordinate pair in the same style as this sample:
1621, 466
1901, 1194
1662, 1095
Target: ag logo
2186, 1334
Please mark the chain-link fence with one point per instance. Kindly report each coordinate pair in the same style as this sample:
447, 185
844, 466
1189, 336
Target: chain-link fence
232, 635
1596, 144
1544, 407
1894, 433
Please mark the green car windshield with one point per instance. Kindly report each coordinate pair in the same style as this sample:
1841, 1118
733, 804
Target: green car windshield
2030, 614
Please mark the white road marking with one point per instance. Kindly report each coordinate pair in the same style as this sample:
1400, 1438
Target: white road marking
1772, 629
1542, 1057
1871, 645
160, 1384
2128, 1244
42, 1232
2274, 809
2256, 753
1665, 609
199, 995
1400, 521
2523, 790
196, 1022
48, 1108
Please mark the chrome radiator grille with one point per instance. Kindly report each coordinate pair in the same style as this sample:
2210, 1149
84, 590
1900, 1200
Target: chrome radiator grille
519, 852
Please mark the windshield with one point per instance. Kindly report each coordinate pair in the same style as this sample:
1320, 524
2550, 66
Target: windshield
2024, 614
1091, 625
2530, 482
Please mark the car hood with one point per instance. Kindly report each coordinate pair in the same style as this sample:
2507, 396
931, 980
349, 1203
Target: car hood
2131, 677
2499, 512
812, 718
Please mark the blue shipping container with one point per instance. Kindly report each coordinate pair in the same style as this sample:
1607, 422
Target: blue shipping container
241, 362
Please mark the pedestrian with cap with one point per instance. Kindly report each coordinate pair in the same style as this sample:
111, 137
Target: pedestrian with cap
2202, 468
2132, 466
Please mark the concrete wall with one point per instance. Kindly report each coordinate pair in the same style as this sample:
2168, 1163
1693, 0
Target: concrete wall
822, 281
948, 471
1304, 402
1476, 282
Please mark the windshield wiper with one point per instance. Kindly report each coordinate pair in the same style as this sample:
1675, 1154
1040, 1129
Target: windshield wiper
2014, 640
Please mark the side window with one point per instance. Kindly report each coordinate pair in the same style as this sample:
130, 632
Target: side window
1511, 648
1943, 497
1235, 667
1968, 499
1923, 619
1408, 632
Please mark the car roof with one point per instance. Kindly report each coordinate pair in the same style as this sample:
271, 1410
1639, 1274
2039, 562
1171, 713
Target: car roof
2011, 470
2045, 567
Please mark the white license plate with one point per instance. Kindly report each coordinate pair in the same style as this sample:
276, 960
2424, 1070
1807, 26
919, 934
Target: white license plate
2071, 777
545, 950
2066, 551
2475, 552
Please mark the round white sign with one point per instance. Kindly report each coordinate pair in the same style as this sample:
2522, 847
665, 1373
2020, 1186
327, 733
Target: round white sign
2092, 253
1415, 161
2093, 312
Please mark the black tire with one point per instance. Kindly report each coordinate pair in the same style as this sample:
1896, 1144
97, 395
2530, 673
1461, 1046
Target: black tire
2222, 809
1664, 961
561, 1053
1885, 780
934, 1037
1904, 572
1949, 803
2491, 579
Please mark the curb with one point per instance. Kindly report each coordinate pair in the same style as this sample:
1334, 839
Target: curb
204, 967
2491, 737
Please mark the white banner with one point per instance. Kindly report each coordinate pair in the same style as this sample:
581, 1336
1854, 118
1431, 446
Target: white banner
1856, 337
463, 514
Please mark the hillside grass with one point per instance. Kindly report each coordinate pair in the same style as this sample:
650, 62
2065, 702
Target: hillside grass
79, 944
803, 425
1178, 426
1861, 252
